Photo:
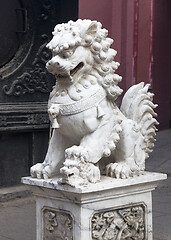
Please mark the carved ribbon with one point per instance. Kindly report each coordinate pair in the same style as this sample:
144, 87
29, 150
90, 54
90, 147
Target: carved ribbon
69, 109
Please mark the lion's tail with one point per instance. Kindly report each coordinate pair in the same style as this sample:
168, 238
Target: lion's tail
137, 105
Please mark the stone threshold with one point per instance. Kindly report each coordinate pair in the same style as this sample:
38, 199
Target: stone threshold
13, 192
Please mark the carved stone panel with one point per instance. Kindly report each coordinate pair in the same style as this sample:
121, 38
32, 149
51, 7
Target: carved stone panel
57, 225
23, 116
24, 78
119, 224
36, 78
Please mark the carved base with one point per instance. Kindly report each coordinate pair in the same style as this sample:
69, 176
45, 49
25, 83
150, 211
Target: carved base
112, 209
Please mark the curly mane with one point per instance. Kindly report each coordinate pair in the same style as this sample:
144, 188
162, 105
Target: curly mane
90, 34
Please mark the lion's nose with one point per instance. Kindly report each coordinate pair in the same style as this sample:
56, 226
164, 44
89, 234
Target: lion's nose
48, 64
54, 63
49, 67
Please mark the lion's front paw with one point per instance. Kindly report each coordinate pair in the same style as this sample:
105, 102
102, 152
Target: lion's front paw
118, 170
41, 171
36, 171
77, 153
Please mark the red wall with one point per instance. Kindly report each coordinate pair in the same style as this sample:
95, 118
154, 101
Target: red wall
142, 33
162, 61
97, 10
116, 18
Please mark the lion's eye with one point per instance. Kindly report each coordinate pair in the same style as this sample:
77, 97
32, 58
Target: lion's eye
67, 54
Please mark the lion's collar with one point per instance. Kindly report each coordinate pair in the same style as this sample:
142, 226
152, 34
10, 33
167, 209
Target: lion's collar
81, 105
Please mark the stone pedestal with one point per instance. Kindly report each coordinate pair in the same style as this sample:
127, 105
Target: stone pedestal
111, 209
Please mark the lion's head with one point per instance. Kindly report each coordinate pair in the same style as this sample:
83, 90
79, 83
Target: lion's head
80, 50
79, 172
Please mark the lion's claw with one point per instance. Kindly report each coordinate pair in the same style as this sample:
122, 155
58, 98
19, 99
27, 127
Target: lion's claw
36, 171
118, 170
77, 153
40, 171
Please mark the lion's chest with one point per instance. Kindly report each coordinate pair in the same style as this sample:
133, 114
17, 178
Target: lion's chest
79, 124
78, 118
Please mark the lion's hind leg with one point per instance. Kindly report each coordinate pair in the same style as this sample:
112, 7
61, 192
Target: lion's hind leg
129, 159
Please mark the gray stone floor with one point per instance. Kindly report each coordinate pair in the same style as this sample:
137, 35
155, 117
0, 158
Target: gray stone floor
17, 217
160, 161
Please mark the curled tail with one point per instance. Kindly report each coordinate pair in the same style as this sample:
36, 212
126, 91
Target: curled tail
137, 105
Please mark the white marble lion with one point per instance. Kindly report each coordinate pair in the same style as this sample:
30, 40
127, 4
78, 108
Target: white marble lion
87, 124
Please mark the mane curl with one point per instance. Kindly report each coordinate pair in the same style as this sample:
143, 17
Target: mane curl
90, 34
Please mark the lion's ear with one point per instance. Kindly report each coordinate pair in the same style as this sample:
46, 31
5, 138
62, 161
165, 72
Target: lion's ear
92, 29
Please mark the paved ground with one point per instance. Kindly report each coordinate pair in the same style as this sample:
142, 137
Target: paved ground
17, 217
18, 220
160, 161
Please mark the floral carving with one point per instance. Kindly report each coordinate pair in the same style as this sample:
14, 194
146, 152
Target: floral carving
57, 225
127, 223
34, 80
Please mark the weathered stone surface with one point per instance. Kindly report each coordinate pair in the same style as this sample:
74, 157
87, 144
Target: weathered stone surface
110, 209
89, 130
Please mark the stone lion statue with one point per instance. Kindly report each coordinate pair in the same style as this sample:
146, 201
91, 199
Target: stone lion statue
88, 127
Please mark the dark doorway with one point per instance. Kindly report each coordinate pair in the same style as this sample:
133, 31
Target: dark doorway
25, 28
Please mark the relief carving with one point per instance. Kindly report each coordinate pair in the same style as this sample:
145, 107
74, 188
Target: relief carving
25, 120
34, 80
126, 223
3, 121
37, 119
47, 9
57, 225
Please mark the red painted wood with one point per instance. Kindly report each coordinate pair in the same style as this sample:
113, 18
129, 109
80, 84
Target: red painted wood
129, 21
142, 34
122, 33
117, 16
144, 45
135, 40
151, 42
162, 61
97, 10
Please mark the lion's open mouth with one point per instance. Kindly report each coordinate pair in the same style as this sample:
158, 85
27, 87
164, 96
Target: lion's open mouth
60, 76
76, 69
69, 75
